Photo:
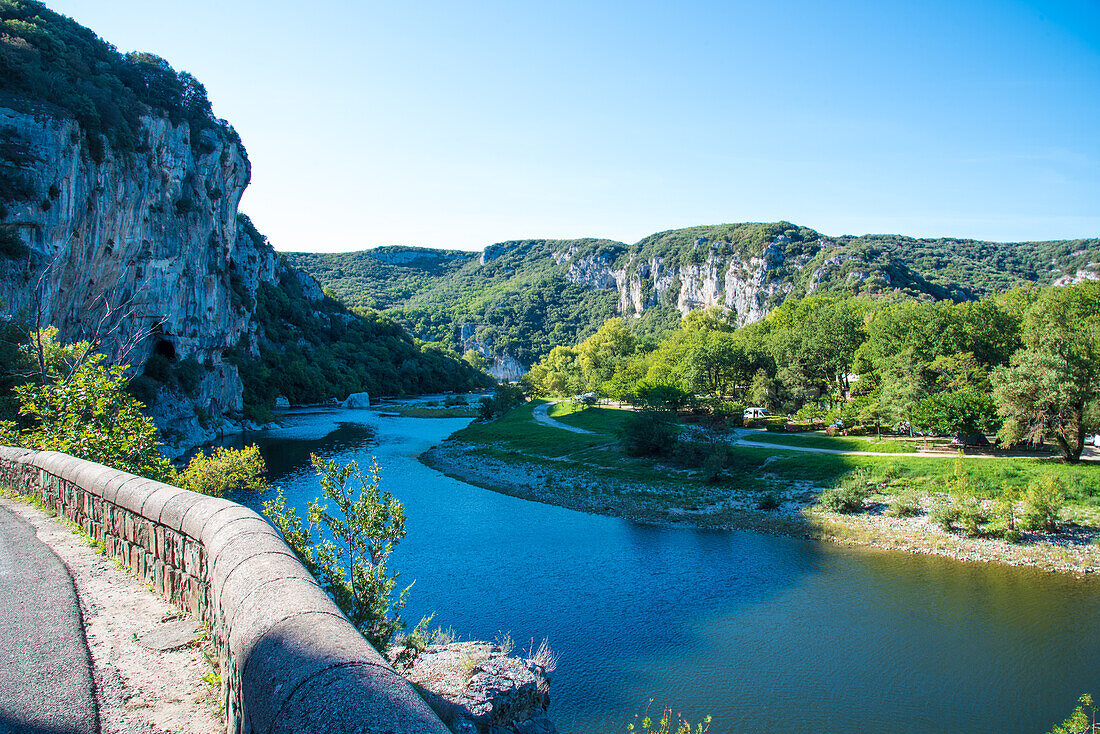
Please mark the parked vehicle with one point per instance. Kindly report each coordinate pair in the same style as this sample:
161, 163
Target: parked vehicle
755, 414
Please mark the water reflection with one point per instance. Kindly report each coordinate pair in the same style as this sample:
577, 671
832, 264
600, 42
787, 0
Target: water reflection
764, 633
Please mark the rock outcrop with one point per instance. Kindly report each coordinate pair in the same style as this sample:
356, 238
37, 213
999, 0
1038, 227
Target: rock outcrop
357, 400
478, 688
142, 249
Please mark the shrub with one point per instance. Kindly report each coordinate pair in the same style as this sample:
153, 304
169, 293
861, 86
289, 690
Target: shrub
971, 514
1043, 503
714, 463
846, 498
92, 417
944, 512
225, 470
768, 502
906, 503
648, 433
358, 537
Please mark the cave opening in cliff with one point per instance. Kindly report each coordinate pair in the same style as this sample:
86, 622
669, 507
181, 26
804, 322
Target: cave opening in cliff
165, 349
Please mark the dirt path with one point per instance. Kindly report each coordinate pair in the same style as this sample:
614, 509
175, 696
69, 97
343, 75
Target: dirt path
738, 439
541, 414
149, 660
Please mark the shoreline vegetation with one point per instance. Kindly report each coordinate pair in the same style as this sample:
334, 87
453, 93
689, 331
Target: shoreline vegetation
770, 490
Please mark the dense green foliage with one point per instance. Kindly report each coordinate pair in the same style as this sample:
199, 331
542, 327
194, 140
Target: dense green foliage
518, 298
92, 417
224, 471
51, 62
347, 550
1025, 362
380, 278
313, 349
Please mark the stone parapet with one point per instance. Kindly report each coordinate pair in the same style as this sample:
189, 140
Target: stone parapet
290, 660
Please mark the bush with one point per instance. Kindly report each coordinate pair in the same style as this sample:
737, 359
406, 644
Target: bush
225, 470
505, 396
768, 502
1043, 503
944, 512
971, 514
92, 417
846, 498
357, 538
648, 433
714, 463
906, 503
189, 375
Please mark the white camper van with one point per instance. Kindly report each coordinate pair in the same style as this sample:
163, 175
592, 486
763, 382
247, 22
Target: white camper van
752, 414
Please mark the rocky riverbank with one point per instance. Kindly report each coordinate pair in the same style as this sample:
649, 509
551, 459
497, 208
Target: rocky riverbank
481, 688
1075, 549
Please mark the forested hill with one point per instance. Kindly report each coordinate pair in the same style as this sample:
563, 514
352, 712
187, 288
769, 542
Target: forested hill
518, 299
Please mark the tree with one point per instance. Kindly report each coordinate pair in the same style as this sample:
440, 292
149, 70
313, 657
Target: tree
92, 417
1051, 387
348, 551
601, 354
966, 411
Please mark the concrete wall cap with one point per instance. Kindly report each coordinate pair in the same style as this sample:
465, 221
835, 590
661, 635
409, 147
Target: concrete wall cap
229, 549
260, 570
171, 515
113, 477
111, 492
270, 604
296, 651
364, 699
108, 488
132, 495
157, 499
230, 514
199, 513
54, 462
14, 453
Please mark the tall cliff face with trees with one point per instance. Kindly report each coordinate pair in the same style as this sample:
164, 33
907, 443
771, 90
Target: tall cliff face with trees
516, 300
119, 224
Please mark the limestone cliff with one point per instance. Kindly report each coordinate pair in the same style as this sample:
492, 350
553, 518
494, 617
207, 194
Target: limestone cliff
145, 243
748, 283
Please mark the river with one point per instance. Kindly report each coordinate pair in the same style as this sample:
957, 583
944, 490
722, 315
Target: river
762, 633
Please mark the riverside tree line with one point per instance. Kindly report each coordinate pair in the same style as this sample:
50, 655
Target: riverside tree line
1024, 363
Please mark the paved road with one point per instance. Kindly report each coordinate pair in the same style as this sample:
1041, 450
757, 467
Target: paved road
45, 669
542, 415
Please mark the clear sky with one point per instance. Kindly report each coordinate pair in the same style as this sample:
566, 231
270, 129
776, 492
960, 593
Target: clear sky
459, 124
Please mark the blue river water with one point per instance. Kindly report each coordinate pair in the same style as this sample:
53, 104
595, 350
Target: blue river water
763, 633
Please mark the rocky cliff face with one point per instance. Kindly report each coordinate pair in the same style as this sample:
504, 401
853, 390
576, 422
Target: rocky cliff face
146, 244
748, 285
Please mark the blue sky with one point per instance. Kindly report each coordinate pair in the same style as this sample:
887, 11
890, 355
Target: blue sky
460, 124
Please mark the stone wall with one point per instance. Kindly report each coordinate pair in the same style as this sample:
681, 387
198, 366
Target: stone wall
290, 660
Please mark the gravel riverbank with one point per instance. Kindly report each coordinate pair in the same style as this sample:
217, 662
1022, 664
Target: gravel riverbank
1075, 550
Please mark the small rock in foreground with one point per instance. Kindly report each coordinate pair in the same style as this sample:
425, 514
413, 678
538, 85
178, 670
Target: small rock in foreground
478, 689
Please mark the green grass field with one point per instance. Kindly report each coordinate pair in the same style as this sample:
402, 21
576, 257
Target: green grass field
516, 436
818, 440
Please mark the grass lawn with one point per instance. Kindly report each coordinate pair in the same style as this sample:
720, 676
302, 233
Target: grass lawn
517, 436
818, 440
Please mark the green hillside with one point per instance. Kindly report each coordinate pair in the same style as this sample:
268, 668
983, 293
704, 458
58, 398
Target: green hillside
519, 298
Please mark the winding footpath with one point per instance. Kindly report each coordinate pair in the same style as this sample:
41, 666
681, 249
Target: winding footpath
541, 414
